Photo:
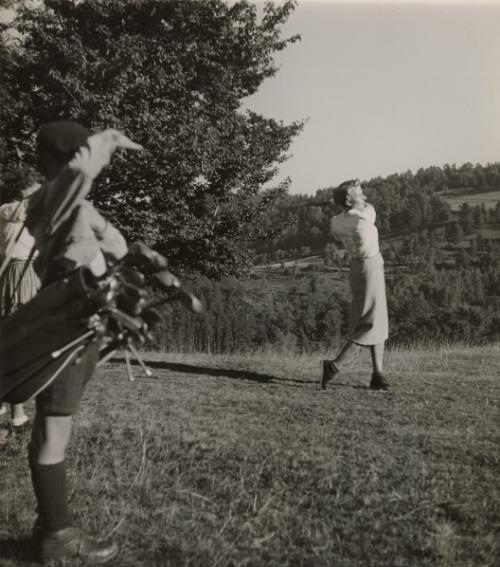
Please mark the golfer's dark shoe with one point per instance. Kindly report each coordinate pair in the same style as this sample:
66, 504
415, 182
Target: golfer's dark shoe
72, 543
378, 382
329, 371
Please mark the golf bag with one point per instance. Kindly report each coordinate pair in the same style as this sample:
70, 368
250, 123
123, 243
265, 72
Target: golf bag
120, 309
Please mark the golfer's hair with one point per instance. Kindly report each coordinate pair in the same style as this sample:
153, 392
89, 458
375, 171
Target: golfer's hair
340, 192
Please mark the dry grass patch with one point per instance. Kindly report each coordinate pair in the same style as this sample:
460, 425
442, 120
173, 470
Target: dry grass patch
242, 461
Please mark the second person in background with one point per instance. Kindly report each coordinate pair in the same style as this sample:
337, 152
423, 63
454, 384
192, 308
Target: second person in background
18, 281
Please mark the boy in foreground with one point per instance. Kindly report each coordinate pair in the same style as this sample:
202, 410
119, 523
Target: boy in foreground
67, 236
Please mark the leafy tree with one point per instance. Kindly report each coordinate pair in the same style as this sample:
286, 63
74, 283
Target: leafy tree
11, 103
455, 232
173, 76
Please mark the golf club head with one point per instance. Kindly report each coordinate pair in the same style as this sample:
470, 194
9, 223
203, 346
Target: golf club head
134, 326
166, 280
153, 318
135, 292
189, 301
143, 256
131, 300
132, 276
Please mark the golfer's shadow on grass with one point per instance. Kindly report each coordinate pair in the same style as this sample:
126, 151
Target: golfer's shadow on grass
235, 374
17, 549
214, 371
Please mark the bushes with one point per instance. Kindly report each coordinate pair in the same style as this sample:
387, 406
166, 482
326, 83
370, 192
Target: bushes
237, 318
310, 311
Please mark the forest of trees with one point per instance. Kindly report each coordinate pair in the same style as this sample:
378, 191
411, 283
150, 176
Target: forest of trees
404, 203
426, 304
443, 281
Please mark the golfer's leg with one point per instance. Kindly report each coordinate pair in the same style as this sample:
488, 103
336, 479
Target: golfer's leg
377, 354
342, 354
378, 381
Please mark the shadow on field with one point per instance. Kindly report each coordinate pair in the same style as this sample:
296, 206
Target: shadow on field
213, 371
16, 549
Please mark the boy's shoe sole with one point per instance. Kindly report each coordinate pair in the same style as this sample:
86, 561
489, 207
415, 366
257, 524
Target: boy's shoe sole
72, 543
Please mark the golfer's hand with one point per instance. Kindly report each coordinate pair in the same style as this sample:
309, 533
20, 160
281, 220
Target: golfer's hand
112, 139
91, 159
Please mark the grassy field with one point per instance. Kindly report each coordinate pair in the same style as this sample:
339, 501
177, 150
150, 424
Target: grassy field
242, 461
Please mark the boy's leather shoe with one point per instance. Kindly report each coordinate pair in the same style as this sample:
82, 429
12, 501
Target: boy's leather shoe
329, 371
378, 382
73, 543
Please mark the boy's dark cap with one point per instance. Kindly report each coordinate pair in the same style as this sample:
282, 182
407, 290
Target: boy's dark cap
57, 143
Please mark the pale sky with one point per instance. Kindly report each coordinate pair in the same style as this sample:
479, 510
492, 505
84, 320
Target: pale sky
386, 87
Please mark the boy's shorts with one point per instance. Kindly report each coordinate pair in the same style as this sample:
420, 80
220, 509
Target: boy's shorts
63, 396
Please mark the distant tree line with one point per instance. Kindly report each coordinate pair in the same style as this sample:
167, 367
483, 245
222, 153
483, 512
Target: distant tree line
404, 202
443, 278
431, 300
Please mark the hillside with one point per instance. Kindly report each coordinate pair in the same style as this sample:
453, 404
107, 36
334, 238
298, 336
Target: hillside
457, 197
442, 280
477, 202
463, 201
241, 460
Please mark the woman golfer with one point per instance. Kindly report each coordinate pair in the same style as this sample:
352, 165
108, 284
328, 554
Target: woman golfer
368, 324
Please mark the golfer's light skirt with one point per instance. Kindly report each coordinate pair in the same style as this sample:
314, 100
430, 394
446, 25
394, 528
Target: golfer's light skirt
369, 323
15, 292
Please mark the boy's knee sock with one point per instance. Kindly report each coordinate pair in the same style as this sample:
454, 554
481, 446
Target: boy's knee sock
49, 485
